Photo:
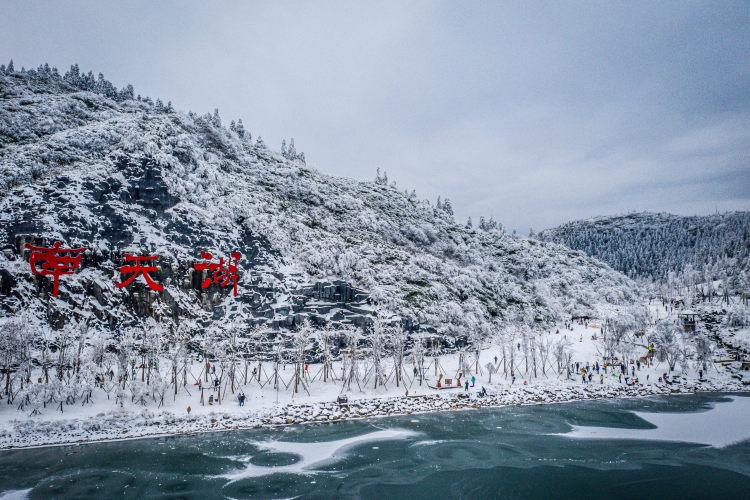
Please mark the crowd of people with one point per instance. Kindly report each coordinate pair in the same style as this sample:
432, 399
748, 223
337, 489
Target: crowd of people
624, 371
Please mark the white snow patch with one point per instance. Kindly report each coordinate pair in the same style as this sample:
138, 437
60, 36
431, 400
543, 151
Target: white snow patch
15, 494
313, 455
721, 426
429, 442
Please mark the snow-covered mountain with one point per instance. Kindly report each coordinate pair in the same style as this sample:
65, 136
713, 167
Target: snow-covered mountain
92, 166
653, 245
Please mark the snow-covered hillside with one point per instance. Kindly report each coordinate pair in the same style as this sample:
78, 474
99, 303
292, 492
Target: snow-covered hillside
115, 174
663, 246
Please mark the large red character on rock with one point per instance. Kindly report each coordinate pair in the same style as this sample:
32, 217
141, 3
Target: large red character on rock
142, 265
223, 275
54, 262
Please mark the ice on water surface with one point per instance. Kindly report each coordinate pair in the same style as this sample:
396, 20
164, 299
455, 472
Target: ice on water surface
723, 425
15, 494
314, 455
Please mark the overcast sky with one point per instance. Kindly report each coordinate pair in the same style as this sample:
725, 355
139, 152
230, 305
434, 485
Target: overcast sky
536, 113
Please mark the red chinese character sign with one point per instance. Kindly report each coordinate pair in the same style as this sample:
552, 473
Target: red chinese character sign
223, 275
142, 265
55, 262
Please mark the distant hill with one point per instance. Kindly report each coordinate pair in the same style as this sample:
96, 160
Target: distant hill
659, 245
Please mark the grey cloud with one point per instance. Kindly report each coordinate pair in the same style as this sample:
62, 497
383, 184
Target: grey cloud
535, 113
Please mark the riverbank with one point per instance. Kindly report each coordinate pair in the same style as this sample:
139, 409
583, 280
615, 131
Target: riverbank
147, 423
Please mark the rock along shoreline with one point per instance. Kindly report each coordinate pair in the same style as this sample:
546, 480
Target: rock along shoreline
120, 425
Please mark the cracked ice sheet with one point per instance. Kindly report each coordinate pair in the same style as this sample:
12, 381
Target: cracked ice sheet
314, 455
723, 425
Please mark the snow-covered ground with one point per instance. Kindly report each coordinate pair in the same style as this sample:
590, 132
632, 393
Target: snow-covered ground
104, 419
739, 338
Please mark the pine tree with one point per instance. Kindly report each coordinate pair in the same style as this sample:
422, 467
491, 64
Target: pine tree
240, 129
469, 225
72, 76
447, 207
381, 178
126, 93
88, 81
10, 68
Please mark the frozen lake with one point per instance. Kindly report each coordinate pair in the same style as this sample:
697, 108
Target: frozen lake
678, 446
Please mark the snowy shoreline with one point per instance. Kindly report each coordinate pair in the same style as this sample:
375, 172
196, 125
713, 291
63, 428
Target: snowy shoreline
146, 424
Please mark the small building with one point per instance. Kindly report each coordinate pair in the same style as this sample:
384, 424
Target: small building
689, 319
581, 316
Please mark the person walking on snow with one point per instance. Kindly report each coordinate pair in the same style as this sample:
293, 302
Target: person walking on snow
473, 380
466, 386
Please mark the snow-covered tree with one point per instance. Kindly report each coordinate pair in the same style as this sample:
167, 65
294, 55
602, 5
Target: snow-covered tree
381, 178
13, 352
667, 343
448, 207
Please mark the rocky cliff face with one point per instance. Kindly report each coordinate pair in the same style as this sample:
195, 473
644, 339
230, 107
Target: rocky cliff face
126, 176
